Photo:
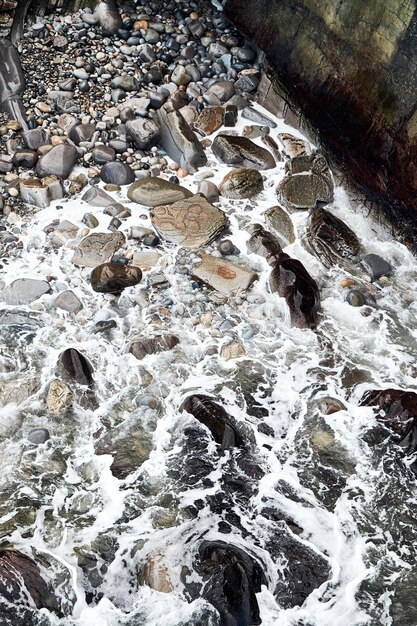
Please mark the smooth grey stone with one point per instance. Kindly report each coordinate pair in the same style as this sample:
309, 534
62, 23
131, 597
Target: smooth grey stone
81, 132
25, 158
12, 83
103, 154
58, 162
68, 301
179, 141
81, 74
24, 291
249, 113
223, 90
117, 173
38, 435
35, 138
97, 248
125, 82
209, 190
376, 266
95, 196
144, 132
5, 167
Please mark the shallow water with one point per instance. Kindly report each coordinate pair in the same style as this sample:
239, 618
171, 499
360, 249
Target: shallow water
348, 498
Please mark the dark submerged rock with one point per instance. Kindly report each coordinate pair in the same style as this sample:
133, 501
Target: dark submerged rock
241, 151
153, 345
231, 578
76, 366
397, 410
263, 243
217, 420
330, 239
292, 281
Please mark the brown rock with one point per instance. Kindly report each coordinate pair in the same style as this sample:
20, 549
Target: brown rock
209, 120
114, 277
97, 248
59, 397
226, 277
153, 345
241, 182
191, 223
241, 151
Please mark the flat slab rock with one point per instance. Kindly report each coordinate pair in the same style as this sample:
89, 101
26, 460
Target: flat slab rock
156, 191
24, 291
97, 248
191, 223
179, 140
225, 277
241, 151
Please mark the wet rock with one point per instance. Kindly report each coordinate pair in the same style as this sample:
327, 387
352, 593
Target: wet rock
160, 343
59, 161
263, 243
95, 196
209, 120
156, 191
216, 419
232, 578
250, 113
192, 222
38, 436
81, 132
293, 146
397, 410
227, 247
146, 259
224, 276
76, 366
97, 248
329, 405
21, 583
25, 158
376, 266
209, 190
292, 281
241, 182
68, 301
223, 90
241, 151
355, 298
117, 173
304, 191
230, 115
281, 223
155, 574
108, 17
33, 192
179, 141
130, 446
232, 351
90, 220
103, 154
144, 132
114, 277
330, 239
24, 291
59, 397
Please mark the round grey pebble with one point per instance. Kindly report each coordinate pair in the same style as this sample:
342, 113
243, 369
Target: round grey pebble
38, 435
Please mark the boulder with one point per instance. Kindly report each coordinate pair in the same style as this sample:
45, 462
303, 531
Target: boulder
304, 191
76, 366
24, 291
191, 223
292, 281
240, 183
226, 277
330, 239
144, 132
114, 277
97, 248
241, 151
59, 161
216, 419
178, 140
279, 220
155, 191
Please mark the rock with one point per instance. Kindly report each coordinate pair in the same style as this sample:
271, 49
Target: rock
292, 281
155, 191
227, 248
376, 266
103, 154
180, 76
117, 173
304, 191
330, 239
21, 583
97, 248
231, 580
59, 397
114, 277
146, 259
76, 366
281, 223
59, 161
155, 574
224, 276
329, 406
249, 113
179, 141
25, 158
293, 146
241, 151
90, 220
107, 15
130, 446
209, 120
230, 115
209, 190
216, 419
159, 343
232, 351
223, 90
35, 138
33, 192
24, 291
396, 410
192, 222
355, 298
241, 182
144, 132
97, 197
64, 232
68, 301
263, 243
81, 132
38, 436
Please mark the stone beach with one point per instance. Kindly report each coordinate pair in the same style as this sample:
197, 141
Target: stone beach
186, 296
